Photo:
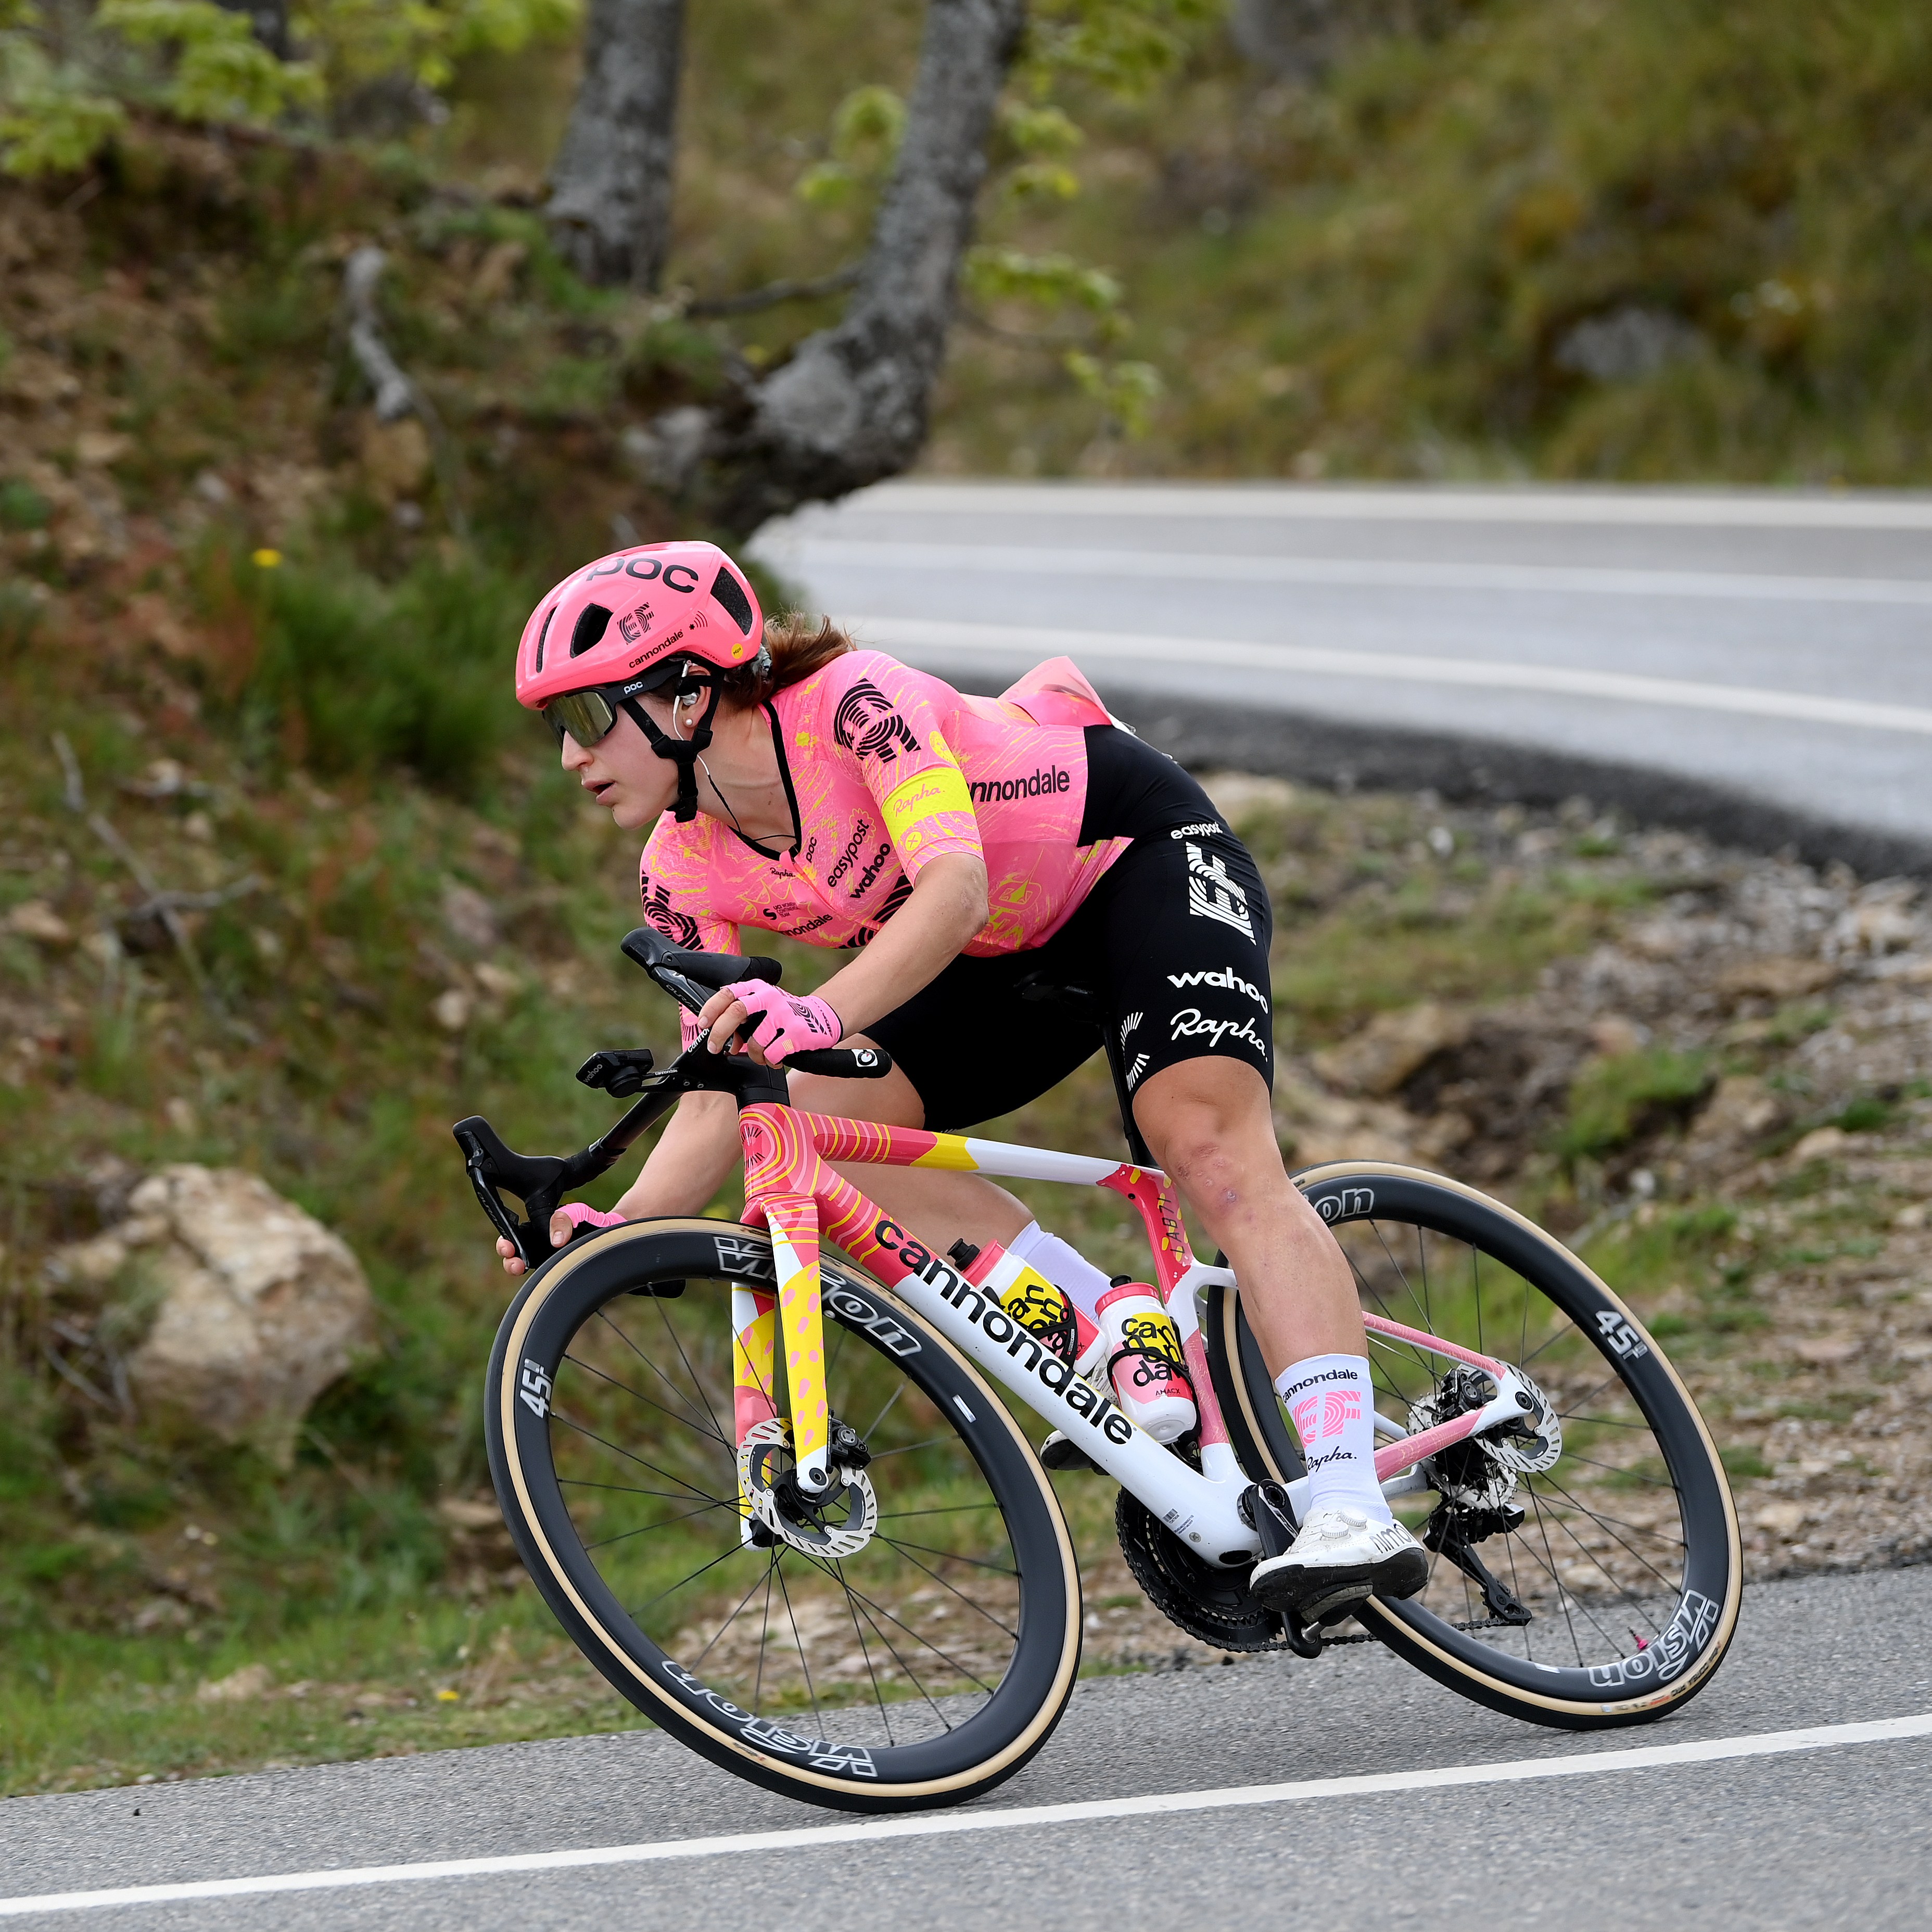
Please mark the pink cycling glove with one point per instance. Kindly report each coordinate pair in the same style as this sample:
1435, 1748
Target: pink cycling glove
583, 1217
787, 1023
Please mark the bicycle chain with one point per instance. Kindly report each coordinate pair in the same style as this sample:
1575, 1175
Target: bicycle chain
1175, 1580
1178, 1584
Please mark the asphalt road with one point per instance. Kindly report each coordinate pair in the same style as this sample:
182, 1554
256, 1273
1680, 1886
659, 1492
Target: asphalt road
1714, 656
1825, 1837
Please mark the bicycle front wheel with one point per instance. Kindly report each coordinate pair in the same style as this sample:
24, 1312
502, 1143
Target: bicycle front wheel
1586, 1579
912, 1643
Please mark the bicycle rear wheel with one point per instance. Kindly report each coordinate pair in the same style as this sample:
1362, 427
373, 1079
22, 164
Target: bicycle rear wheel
1589, 1582
912, 1645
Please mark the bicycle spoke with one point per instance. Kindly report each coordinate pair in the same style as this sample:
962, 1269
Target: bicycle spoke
603, 1316
669, 1475
778, 1570
865, 1650
649, 1402
703, 1509
978, 1608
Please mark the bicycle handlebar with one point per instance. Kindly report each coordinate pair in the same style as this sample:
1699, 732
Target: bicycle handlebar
691, 978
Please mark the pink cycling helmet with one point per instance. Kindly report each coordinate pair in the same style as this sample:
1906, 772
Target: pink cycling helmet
667, 614
636, 613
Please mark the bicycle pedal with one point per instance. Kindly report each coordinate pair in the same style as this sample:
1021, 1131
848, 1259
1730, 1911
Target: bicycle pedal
1060, 1452
1336, 1605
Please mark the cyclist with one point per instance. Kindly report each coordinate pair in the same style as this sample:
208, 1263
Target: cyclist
958, 846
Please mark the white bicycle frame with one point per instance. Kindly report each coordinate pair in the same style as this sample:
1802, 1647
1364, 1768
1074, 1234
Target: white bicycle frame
790, 1187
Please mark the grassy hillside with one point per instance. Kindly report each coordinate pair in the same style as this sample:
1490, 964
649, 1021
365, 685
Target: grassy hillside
1642, 239
273, 632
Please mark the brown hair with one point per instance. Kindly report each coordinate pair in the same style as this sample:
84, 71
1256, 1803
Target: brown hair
798, 646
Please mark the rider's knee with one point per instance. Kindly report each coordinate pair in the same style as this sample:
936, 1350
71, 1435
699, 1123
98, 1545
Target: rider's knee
1197, 1118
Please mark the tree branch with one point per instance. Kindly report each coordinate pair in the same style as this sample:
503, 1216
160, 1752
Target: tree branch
772, 293
396, 395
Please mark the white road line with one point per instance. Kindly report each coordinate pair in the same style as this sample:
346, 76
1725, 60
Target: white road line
1421, 503
1094, 647
928, 1824
801, 555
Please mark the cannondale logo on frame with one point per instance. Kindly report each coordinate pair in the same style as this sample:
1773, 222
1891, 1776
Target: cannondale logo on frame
869, 726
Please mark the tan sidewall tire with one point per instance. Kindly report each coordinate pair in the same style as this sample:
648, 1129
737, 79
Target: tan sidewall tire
1399, 1629
615, 1657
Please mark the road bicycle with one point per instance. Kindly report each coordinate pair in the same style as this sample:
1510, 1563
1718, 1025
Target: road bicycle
772, 1476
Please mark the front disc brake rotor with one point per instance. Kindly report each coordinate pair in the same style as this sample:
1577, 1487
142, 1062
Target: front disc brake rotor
839, 1523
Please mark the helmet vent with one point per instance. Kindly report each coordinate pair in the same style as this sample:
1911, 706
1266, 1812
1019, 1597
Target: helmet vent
592, 621
543, 636
729, 592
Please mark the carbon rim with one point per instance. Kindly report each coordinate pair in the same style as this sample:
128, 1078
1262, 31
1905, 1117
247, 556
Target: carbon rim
1627, 1558
936, 1656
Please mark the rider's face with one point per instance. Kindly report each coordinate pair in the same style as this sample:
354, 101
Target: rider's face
622, 772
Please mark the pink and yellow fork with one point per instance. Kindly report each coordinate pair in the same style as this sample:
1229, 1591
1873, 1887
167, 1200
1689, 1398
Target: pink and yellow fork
791, 1190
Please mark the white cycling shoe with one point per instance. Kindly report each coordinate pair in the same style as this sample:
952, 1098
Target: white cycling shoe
1339, 1556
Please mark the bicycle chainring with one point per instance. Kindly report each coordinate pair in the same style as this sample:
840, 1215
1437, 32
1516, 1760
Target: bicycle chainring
1209, 1603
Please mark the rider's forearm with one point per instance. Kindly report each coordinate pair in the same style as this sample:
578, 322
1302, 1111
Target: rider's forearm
696, 1154
947, 908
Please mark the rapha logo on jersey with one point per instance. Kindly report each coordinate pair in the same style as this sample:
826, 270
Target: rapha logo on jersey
1227, 978
1352, 1204
1190, 1023
1205, 830
741, 1260
868, 725
661, 916
1128, 1024
1211, 894
1317, 1416
633, 624
1135, 1072
1001, 1330
762, 1734
1036, 784
1667, 1653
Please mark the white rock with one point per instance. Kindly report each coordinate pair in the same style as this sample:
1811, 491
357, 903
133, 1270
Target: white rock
260, 1306
239, 1686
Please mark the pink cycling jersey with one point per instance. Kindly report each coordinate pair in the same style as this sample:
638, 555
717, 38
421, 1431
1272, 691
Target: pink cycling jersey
888, 768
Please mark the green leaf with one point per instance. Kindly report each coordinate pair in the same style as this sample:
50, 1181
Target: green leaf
1127, 391
996, 274
55, 131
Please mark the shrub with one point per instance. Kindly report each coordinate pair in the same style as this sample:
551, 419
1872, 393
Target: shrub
1614, 1099
348, 676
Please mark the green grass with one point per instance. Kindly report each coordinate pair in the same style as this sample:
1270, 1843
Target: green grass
1613, 1098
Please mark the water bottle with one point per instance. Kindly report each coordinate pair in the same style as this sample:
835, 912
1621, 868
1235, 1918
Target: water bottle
1043, 1310
1144, 1357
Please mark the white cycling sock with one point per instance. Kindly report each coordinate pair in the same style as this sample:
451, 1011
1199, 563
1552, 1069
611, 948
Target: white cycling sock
1332, 1405
1065, 1267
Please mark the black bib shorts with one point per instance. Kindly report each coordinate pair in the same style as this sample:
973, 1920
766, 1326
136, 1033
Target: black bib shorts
1174, 941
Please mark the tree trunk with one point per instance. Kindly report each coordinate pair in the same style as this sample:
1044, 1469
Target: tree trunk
851, 406
610, 205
